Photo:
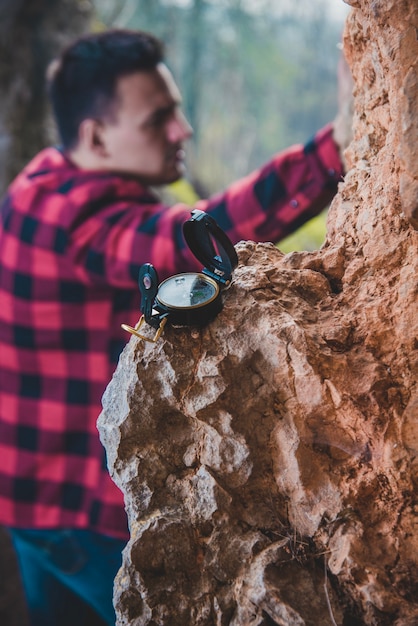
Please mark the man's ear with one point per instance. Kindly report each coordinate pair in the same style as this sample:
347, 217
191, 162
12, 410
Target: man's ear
92, 138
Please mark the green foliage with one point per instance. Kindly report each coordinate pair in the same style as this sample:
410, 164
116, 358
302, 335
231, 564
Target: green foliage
183, 191
309, 237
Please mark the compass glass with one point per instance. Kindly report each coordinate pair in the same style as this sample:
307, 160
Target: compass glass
185, 291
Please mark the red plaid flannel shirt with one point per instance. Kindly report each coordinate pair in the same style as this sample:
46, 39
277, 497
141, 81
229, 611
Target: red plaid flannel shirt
72, 243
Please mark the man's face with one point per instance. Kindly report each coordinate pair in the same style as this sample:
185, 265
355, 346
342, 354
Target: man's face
145, 134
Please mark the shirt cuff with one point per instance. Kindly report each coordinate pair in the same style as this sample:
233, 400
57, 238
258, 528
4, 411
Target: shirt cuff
328, 153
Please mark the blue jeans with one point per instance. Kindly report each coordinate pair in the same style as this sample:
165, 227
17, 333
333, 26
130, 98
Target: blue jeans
68, 575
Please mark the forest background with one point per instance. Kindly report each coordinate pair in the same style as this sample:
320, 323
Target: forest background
256, 76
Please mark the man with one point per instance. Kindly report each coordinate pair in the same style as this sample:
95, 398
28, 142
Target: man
76, 225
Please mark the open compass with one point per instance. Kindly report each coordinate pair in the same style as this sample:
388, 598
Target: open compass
192, 298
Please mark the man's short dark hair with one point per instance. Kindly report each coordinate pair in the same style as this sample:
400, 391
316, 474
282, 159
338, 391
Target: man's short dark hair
82, 82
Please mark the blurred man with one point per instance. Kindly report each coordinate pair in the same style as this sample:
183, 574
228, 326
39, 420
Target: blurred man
76, 225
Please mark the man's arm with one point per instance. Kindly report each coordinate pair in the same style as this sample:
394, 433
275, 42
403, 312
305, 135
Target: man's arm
264, 206
293, 187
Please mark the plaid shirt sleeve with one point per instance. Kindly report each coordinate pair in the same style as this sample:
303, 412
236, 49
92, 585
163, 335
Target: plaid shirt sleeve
274, 201
265, 206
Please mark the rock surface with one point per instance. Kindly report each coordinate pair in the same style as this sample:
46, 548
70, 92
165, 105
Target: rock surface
270, 461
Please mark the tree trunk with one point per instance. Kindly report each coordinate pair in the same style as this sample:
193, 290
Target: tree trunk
31, 34
12, 602
269, 461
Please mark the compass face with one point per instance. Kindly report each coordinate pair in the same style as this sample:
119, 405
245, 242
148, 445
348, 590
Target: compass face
187, 291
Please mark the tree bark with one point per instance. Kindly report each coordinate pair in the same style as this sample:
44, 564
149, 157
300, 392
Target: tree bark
31, 34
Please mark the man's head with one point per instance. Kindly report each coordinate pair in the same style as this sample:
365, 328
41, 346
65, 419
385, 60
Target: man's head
117, 106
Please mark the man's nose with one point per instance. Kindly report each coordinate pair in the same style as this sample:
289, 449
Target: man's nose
179, 128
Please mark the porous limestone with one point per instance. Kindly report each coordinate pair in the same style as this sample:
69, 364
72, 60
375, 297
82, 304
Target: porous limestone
270, 460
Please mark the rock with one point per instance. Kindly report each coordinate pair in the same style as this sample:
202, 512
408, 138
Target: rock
269, 460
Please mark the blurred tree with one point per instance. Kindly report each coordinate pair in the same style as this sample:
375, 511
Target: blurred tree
31, 33
13, 611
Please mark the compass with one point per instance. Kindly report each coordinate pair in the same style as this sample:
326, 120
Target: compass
191, 298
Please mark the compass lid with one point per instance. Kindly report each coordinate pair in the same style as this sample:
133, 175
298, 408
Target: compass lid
210, 245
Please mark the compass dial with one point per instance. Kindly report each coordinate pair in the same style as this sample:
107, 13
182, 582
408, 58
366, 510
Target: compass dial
185, 291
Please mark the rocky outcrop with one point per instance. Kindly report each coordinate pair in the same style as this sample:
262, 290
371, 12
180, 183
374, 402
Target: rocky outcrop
270, 461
